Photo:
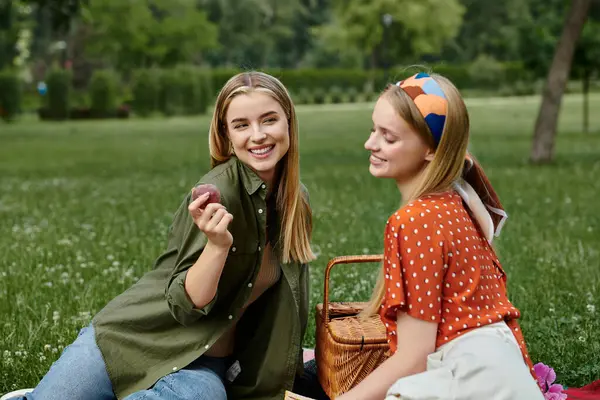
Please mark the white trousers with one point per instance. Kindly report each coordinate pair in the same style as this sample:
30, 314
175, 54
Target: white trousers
484, 364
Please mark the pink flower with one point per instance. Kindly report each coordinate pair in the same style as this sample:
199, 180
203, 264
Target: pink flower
555, 392
545, 375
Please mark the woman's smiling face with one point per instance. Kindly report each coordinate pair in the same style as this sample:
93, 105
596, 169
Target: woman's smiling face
259, 132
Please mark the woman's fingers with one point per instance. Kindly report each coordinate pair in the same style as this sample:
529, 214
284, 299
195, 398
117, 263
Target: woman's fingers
202, 217
214, 221
224, 223
199, 202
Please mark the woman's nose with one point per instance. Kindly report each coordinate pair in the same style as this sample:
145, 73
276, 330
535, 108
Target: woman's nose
371, 143
257, 133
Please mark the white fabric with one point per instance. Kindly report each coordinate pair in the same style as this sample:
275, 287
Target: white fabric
473, 201
16, 393
485, 363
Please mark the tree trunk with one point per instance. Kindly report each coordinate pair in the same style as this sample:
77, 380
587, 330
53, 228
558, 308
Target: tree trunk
545, 126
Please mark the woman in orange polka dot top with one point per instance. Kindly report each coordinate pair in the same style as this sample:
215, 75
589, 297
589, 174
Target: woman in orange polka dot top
452, 330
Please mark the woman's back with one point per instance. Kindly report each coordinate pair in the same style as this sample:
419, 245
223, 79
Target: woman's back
440, 268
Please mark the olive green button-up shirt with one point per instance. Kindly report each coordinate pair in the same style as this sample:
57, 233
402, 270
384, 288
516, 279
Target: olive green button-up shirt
154, 329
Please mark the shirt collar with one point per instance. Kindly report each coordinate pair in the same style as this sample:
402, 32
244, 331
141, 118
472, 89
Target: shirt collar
250, 180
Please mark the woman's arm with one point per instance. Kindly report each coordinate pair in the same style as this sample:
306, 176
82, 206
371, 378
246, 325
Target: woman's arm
203, 277
416, 340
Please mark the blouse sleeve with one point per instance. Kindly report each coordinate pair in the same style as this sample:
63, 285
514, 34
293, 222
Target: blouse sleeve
415, 263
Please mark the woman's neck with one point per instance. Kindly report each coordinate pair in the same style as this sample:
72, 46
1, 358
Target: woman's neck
407, 188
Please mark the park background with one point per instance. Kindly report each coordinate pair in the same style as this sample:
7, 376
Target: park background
107, 106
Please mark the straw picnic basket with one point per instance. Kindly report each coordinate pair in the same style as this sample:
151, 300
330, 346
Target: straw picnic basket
347, 348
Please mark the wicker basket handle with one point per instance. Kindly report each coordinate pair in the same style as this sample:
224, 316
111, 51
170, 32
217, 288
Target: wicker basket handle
343, 260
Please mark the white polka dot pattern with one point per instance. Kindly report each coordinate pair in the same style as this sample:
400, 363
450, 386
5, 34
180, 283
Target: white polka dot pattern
439, 267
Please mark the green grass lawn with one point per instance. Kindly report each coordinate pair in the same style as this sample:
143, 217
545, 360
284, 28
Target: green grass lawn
85, 206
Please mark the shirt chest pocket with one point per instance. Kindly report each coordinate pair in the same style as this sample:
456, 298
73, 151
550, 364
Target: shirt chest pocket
244, 246
241, 261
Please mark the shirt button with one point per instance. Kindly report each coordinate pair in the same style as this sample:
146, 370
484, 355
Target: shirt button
230, 317
233, 249
264, 186
260, 210
206, 347
258, 248
250, 284
174, 368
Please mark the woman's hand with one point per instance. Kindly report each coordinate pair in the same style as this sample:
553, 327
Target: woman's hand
213, 220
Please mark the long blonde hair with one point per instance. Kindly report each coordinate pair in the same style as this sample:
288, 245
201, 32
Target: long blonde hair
449, 159
292, 205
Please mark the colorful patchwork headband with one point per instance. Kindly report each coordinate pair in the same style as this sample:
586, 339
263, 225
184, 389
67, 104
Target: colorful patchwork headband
430, 100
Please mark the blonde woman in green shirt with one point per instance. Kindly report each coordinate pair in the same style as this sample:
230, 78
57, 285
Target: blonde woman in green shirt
223, 312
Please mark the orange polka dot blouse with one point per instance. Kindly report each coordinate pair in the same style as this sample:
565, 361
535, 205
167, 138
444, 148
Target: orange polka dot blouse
439, 267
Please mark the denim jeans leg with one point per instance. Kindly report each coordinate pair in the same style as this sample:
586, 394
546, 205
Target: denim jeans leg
79, 373
201, 380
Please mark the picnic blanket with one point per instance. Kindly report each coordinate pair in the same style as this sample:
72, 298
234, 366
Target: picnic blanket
588, 392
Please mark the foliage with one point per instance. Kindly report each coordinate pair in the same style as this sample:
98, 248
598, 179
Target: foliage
145, 91
132, 34
417, 28
58, 97
104, 92
10, 95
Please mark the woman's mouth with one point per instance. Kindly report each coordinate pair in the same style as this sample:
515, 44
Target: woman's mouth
262, 151
376, 160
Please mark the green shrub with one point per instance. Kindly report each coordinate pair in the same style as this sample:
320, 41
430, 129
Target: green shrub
309, 78
352, 95
220, 76
11, 95
207, 93
336, 95
103, 93
370, 96
305, 96
171, 95
486, 72
58, 97
190, 94
145, 91
319, 95
458, 74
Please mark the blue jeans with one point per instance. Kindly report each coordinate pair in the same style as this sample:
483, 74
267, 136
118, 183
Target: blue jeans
80, 373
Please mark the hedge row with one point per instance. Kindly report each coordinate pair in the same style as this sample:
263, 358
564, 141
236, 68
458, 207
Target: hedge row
484, 73
182, 90
187, 90
10, 95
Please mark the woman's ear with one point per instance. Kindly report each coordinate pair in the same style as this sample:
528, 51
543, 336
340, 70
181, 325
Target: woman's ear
430, 155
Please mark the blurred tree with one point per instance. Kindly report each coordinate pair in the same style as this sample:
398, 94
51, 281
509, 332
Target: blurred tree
61, 12
586, 63
539, 31
417, 28
488, 28
252, 33
291, 51
137, 33
545, 127
8, 33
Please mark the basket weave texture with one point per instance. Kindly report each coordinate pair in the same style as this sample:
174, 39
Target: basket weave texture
347, 348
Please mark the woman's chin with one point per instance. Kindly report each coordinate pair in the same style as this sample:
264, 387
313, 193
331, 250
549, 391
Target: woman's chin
377, 171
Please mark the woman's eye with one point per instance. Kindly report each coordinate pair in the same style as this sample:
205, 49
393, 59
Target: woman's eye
270, 120
388, 139
238, 126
